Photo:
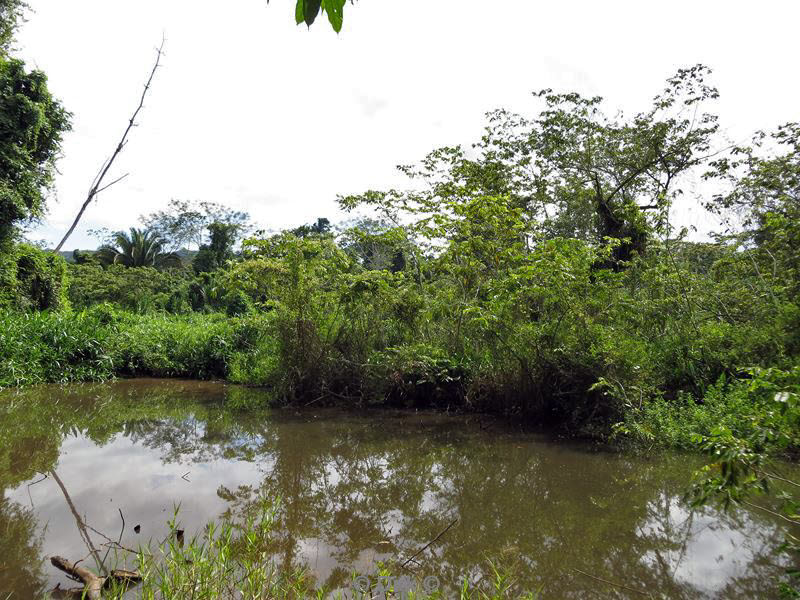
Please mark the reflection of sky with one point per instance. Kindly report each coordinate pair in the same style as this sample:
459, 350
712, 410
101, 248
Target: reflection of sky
132, 478
715, 550
144, 478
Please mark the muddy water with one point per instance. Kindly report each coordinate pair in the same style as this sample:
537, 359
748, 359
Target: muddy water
355, 489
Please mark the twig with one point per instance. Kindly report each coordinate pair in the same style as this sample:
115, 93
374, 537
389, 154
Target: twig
44, 476
426, 546
773, 513
771, 475
109, 540
619, 585
120, 535
97, 186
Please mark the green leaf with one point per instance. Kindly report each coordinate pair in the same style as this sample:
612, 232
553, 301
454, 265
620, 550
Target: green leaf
299, 12
311, 10
335, 10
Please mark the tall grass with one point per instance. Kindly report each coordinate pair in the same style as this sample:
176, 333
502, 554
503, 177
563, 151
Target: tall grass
230, 560
100, 343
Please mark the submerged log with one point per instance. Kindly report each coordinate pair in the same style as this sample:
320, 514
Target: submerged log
93, 585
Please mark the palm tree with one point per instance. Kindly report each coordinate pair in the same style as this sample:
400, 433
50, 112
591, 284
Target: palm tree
139, 248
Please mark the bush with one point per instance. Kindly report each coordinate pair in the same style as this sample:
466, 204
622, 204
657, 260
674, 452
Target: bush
32, 279
53, 347
743, 406
103, 342
140, 289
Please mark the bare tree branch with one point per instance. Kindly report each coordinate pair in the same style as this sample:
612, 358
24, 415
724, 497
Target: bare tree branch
97, 186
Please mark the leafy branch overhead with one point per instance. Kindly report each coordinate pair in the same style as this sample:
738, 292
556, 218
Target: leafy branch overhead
307, 12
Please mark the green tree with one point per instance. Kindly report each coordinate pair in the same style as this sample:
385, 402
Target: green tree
573, 170
763, 190
32, 123
184, 222
321, 227
139, 248
218, 251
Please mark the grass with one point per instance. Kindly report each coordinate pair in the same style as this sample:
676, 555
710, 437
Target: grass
232, 561
101, 343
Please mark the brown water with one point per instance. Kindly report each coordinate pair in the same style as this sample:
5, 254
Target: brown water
355, 489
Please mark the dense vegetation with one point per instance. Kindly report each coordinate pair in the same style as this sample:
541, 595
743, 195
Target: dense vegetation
539, 273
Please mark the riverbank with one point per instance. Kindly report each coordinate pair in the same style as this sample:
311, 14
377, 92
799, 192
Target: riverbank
103, 343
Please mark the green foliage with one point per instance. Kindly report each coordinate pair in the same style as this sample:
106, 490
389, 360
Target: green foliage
11, 15
744, 454
103, 342
537, 276
306, 11
32, 279
32, 123
138, 248
139, 290
53, 347
231, 560
218, 251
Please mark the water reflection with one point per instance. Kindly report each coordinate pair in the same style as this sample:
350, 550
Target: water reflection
358, 489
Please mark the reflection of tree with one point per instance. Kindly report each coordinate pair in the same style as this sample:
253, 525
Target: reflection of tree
21, 573
381, 485
351, 486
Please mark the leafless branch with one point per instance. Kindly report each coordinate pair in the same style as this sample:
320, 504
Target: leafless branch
97, 186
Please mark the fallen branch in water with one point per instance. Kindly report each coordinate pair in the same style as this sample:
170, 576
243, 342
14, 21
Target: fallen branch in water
93, 585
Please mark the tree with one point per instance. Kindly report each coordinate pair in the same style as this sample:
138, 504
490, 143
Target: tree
184, 222
139, 248
761, 185
376, 245
321, 227
32, 124
574, 171
219, 251
11, 13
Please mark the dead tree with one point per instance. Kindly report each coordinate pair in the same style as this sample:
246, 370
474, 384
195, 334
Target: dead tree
97, 185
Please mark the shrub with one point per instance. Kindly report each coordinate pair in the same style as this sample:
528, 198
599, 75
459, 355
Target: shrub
139, 289
32, 279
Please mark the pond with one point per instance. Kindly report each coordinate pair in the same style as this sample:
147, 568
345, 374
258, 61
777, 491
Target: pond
355, 488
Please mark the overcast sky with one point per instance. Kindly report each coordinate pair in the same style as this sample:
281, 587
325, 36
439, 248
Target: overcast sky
265, 116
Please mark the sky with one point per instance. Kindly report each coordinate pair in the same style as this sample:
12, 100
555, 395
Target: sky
254, 112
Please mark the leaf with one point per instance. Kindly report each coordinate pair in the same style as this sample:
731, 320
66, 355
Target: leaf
299, 12
335, 10
311, 10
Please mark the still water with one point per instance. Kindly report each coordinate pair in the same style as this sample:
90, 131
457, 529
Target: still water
358, 488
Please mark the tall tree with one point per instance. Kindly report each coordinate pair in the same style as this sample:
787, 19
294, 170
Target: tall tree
218, 251
138, 248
